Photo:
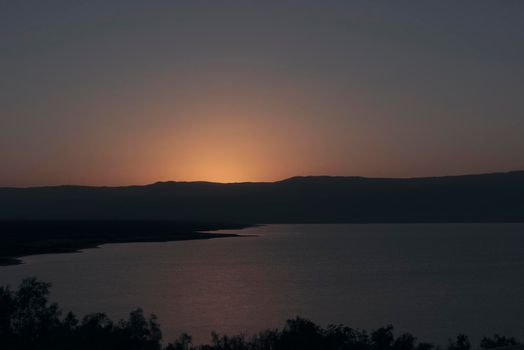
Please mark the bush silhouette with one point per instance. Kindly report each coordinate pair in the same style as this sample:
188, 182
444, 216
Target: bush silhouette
29, 321
496, 342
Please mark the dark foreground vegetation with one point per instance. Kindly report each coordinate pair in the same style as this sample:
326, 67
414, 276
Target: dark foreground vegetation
20, 238
29, 321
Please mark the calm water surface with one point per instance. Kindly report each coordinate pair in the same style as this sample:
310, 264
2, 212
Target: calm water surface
434, 280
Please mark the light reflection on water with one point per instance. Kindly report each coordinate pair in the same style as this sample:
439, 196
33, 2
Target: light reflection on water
434, 280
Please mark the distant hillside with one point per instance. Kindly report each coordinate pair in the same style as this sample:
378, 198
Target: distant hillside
471, 198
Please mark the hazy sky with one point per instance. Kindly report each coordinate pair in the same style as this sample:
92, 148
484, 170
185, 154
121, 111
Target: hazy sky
132, 92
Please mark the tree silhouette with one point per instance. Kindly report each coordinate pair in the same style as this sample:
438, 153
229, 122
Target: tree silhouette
29, 322
461, 343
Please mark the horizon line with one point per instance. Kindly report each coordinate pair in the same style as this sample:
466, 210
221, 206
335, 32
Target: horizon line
265, 182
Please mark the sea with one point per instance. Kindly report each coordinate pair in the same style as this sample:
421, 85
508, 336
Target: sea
432, 280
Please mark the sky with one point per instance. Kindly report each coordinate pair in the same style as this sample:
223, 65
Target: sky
134, 92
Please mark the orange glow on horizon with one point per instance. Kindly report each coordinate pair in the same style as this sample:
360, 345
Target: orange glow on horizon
222, 132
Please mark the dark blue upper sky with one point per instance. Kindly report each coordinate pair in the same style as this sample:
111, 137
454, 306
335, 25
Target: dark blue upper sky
119, 92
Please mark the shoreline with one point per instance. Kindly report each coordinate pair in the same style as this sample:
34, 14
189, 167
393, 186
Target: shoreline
26, 238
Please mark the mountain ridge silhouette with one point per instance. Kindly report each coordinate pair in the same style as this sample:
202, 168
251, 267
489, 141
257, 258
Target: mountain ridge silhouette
493, 197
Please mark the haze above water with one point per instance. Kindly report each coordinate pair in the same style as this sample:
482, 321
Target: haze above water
434, 280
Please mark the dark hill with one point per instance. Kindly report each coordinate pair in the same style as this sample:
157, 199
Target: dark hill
495, 197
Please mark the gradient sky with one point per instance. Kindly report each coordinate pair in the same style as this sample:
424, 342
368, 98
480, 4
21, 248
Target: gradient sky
133, 92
